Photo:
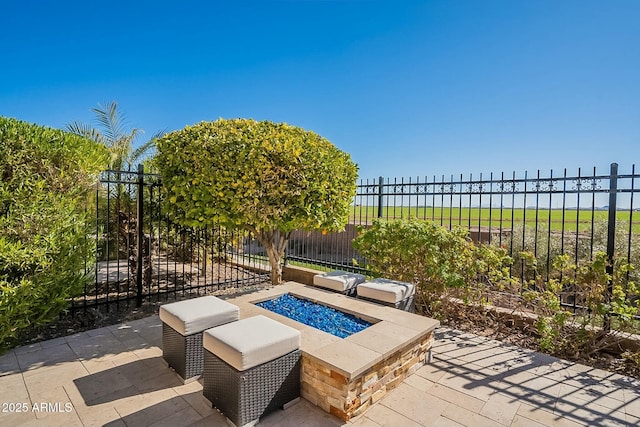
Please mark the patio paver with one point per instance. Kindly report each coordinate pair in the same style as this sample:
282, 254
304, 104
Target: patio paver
115, 376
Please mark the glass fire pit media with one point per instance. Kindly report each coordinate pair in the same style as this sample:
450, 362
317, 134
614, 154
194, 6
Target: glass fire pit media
321, 317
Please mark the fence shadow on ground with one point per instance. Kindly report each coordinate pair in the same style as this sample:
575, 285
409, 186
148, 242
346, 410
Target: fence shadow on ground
574, 392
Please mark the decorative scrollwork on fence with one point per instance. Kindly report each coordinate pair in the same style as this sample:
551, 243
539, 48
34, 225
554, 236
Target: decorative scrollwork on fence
546, 185
422, 188
476, 187
445, 188
400, 189
370, 189
507, 187
586, 184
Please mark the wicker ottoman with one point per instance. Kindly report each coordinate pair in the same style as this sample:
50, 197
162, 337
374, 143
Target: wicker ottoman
339, 281
182, 325
389, 292
251, 368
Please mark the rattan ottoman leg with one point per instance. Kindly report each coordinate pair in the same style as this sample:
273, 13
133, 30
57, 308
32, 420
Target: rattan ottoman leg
410, 305
351, 292
246, 396
182, 353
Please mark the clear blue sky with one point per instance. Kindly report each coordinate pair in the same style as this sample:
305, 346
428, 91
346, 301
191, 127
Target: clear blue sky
406, 87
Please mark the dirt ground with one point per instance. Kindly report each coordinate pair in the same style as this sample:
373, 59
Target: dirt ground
83, 320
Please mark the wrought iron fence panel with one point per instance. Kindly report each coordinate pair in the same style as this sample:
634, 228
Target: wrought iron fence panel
144, 257
547, 214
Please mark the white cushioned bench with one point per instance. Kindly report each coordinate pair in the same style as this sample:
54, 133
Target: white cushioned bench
388, 292
183, 323
339, 281
251, 368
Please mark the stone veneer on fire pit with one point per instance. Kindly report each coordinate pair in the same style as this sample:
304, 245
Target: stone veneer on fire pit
344, 376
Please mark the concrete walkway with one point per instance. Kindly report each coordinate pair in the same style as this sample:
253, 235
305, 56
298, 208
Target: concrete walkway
116, 376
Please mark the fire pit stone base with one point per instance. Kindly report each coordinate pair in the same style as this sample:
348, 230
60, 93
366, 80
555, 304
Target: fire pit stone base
349, 397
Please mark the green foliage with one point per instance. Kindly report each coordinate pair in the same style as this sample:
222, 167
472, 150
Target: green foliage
559, 330
632, 360
114, 134
268, 178
44, 176
445, 264
441, 262
583, 247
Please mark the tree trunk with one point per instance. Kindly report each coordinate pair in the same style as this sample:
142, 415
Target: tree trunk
276, 265
275, 243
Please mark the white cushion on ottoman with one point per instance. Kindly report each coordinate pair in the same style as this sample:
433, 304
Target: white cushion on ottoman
338, 280
252, 341
386, 290
195, 315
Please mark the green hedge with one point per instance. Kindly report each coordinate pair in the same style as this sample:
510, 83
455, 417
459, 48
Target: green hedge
44, 177
439, 261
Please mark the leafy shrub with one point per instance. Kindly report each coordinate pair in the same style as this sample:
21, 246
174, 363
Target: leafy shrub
586, 332
442, 263
632, 361
44, 250
580, 247
445, 264
264, 177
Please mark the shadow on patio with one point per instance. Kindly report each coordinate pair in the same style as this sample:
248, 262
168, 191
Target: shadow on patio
116, 376
547, 388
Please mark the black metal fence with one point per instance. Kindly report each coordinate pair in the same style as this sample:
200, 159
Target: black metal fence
144, 257
545, 214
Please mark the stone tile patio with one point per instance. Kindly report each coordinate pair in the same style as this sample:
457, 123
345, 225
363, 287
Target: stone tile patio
115, 376
344, 375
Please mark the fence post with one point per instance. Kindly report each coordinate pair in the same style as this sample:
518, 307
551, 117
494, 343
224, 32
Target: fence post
380, 181
611, 237
139, 235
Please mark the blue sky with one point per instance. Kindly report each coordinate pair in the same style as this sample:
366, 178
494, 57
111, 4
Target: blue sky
408, 88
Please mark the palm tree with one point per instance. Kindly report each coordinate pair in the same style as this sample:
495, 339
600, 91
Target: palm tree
114, 135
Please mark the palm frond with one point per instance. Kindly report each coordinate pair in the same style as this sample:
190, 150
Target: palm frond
141, 151
114, 134
159, 134
85, 130
148, 147
111, 120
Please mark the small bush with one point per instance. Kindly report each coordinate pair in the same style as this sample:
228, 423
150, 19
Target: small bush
442, 263
581, 248
559, 330
446, 265
44, 250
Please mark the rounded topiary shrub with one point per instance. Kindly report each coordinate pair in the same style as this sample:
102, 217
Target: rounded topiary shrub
44, 251
265, 177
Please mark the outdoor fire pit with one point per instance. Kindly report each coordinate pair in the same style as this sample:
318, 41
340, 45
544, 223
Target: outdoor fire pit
345, 375
319, 316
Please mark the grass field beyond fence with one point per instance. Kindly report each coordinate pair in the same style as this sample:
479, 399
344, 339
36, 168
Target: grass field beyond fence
570, 220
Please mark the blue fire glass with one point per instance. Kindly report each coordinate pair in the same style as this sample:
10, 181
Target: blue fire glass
319, 316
